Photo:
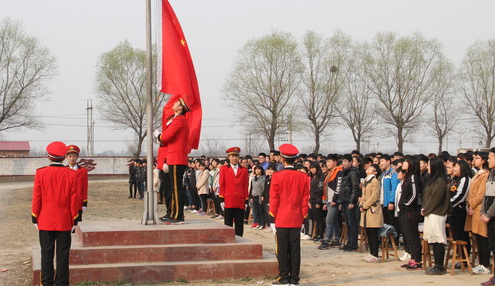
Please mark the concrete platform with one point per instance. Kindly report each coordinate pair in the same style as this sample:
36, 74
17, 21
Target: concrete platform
105, 233
128, 251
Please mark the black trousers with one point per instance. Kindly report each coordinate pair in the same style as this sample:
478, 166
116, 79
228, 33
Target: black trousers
483, 250
410, 219
390, 218
288, 253
491, 235
132, 184
457, 223
178, 193
317, 214
232, 214
48, 240
373, 240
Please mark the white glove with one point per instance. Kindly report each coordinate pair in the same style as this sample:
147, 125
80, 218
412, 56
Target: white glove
165, 168
84, 209
272, 225
36, 225
222, 205
245, 206
73, 229
156, 134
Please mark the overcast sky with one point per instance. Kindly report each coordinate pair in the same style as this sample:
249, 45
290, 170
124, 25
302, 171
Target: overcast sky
78, 32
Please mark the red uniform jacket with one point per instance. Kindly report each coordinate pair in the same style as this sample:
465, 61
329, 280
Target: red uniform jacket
82, 184
289, 194
174, 139
56, 201
234, 188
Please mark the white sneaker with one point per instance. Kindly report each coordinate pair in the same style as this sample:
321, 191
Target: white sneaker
306, 237
405, 257
194, 212
372, 259
480, 269
219, 217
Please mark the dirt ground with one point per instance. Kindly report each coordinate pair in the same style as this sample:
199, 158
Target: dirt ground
108, 201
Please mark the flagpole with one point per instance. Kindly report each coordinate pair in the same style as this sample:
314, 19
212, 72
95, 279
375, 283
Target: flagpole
150, 215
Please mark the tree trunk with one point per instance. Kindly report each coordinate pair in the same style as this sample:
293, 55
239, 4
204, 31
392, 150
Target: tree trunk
440, 144
489, 137
317, 143
139, 146
400, 139
358, 143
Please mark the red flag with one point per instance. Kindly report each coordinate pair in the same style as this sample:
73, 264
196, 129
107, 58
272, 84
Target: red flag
178, 77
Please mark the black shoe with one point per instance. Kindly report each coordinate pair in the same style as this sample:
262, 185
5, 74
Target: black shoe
334, 243
324, 245
436, 270
129, 197
159, 203
349, 249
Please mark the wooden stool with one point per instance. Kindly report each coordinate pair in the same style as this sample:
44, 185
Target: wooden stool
385, 248
362, 239
426, 253
343, 235
210, 209
459, 247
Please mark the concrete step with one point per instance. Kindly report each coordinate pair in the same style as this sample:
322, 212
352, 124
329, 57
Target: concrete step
170, 271
107, 233
241, 249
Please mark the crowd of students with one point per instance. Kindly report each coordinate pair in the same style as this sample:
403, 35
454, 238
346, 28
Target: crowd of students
415, 196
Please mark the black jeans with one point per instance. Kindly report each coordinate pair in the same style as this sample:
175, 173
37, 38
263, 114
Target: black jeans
232, 214
289, 254
351, 221
48, 241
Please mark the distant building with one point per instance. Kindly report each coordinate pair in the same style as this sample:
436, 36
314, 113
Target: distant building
14, 148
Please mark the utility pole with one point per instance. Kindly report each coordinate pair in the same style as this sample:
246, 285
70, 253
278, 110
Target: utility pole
150, 214
90, 132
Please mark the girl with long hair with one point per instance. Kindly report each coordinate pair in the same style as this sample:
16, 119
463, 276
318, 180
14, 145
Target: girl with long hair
410, 210
315, 198
435, 208
474, 223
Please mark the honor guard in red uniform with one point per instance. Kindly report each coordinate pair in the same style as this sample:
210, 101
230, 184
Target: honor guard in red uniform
82, 177
234, 181
173, 154
55, 211
289, 194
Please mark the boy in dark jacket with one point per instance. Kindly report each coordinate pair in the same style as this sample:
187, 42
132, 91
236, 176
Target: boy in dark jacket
348, 198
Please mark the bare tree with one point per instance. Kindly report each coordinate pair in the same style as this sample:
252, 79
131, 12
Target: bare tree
25, 66
401, 71
121, 88
477, 77
356, 108
444, 106
265, 78
326, 72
